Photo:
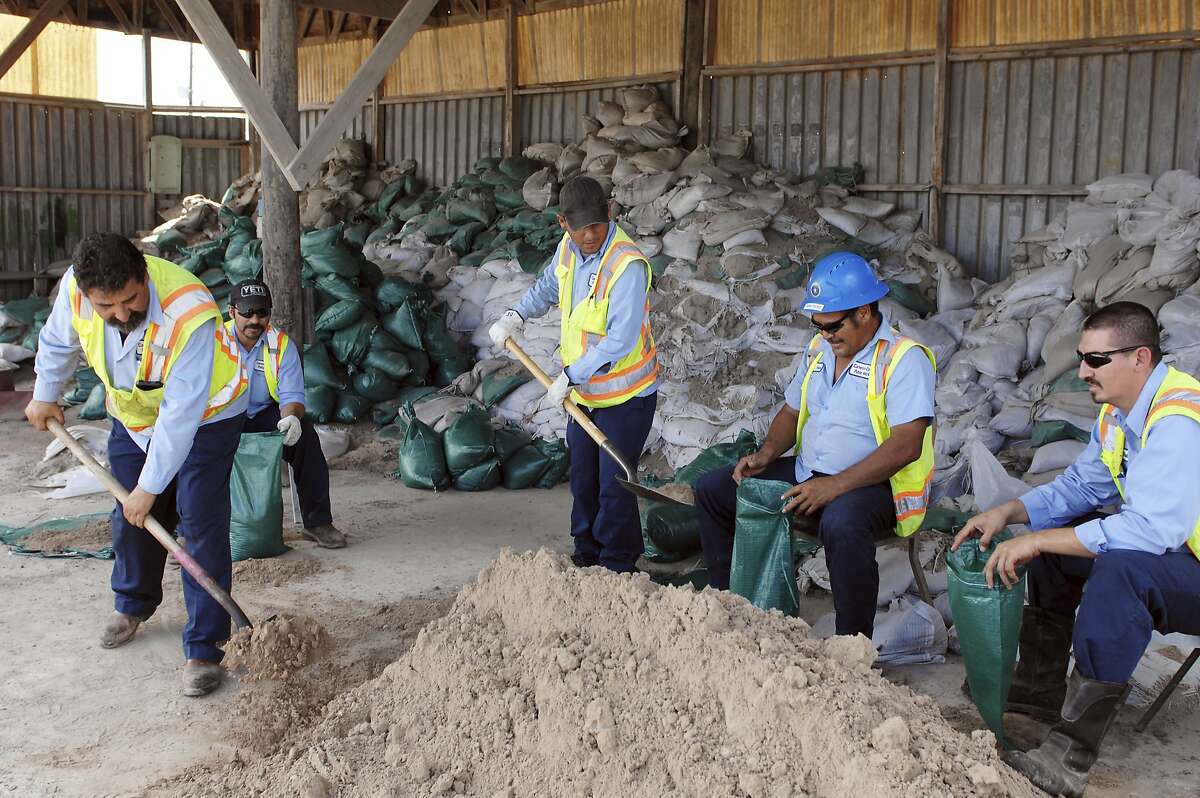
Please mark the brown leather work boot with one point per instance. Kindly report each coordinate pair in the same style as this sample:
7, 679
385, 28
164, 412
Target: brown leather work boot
201, 677
119, 629
327, 536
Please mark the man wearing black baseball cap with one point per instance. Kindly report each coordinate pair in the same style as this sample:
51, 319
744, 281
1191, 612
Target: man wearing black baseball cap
277, 403
600, 281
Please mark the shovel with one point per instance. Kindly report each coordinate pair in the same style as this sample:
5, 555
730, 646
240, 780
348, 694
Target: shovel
152, 526
630, 482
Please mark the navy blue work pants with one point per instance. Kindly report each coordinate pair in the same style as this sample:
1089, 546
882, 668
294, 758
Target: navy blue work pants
848, 528
1121, 596
604, 516
309, 467
196, 506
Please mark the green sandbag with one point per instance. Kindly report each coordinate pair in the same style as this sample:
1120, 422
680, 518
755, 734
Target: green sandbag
763, 570
721, 455
469, 440
391, 192
383, 341
247, 265
477, 258
206, 255
791, 277
394, 292
532, 260
24, 310
340, 314
369, 274
389, 227
319, 403
393, 364
404, 324
324, 253
497, 179
420, 367
351, 407
256, 517
436, 339
461, 212
319, 369
484, 476
373, 384
500, 383
518, 167
355, 235
351, 343
170, 241
339, 288
437, 229
422, 458
460, 242
509, 199
212, 278
86, 380
674, 530
412, 210
390, 433
910, 297
524, 467
527, 221
558, 462
93, 409
485, 163
988, 621
240, 232
659, 264
384, 413
1050, 431
413, 185
508, 440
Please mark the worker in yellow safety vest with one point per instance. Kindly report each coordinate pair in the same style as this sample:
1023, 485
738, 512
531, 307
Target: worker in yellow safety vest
859, 415
176, 392
600, 282
1103, 584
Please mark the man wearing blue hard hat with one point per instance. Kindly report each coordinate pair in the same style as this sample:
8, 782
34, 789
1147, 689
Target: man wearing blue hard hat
859, 415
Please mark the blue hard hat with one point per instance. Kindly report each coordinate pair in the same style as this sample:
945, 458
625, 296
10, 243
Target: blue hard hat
842, 281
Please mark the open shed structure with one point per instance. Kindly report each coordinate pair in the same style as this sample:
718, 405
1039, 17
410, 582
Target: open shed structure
987, 115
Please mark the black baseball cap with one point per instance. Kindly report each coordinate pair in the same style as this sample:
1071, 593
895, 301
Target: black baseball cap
583, 202
251, 295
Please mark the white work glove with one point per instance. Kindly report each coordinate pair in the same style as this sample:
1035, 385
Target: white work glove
559, 390
506, 327
290, 427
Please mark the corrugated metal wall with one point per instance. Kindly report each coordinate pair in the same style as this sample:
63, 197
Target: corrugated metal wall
555, 115
61, 62
360, 127
207, 170
444, 137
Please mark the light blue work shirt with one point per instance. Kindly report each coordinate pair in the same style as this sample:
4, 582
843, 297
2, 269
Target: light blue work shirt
838, 434
626, 310
291, 377
185, 394
1162, 485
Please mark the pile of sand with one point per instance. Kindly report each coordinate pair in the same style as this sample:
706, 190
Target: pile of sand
374, 456
274, 571
549, 680
277, 648
92, 536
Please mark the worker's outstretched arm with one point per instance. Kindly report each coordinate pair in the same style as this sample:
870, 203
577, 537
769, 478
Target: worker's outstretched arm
781, 438
57, 357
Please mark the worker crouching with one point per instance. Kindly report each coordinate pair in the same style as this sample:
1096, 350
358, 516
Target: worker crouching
858, 414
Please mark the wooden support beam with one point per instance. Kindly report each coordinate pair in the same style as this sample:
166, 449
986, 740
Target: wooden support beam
258, 106
305, 164
177, 27
280, 220
26, 36
9, 6
384, 9
239, 23
510, 81
139, 14
306, 20
695, 52
373, 28
941, 108
81, 11
122, 18
339, 22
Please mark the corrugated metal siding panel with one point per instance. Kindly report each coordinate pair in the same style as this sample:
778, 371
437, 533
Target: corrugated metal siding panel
206, 170
65, 56
865, 27
550, 47
63, 147
979, 23
1059, 121
361, 124
738, 35
444, 137
658, 28
455, 59
1129, 17
803, 121
325, 69
554, 116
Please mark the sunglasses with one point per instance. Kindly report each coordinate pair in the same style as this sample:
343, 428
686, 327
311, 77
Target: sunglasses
260, 313
833, 326
1097, 360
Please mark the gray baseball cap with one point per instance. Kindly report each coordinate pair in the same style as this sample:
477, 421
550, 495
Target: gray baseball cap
583, 202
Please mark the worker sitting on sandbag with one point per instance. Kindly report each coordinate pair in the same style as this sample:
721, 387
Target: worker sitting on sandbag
173, 378
858, 414
277, 403
601, 282
1104, 583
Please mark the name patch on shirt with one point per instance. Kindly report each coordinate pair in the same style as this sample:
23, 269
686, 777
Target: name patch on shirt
861, 370
260, 366
592, 280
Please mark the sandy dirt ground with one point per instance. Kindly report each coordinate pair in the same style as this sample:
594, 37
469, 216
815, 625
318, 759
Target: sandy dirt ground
77, 720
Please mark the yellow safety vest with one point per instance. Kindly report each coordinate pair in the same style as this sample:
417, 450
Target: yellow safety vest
186, 305
587, 324
275, 343
1179, 395
910, 485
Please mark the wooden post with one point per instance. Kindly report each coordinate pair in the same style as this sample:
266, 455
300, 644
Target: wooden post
25, 37
695, 52
941, 94
252, 136
510, 80
281, 204
151, 207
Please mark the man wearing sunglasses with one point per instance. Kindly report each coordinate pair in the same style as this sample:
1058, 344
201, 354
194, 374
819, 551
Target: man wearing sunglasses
277, 403
1102, 584
858, 414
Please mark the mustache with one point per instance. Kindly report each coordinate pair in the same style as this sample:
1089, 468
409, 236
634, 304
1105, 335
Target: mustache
131, 324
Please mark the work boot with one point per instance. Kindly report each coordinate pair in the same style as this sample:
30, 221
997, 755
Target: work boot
119, 629
1039, 684
1060, 765
583, 561
201, 677
326, 536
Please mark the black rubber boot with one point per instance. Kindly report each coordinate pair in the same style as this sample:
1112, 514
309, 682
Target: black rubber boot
1039, 684
1060, 765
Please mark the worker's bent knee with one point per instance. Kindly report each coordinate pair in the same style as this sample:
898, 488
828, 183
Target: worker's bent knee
716, 486
1120, 572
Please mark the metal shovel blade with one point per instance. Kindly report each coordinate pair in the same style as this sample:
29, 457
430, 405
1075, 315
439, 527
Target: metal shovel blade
647, 492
